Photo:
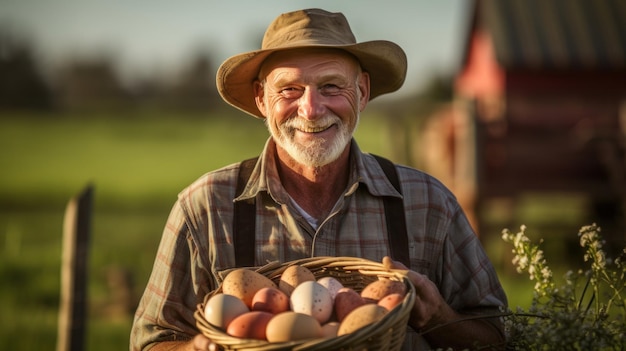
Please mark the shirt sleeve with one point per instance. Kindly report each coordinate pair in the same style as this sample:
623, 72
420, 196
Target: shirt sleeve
469, 280
175, 287
445, 247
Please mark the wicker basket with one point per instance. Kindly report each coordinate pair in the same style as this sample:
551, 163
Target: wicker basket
355, 273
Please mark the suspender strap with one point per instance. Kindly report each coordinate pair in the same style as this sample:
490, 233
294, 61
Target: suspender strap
244, 219
394, 216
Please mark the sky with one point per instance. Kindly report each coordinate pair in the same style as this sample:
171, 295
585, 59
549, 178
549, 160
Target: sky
144, 36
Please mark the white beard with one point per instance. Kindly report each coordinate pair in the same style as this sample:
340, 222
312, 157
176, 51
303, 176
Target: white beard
318, 152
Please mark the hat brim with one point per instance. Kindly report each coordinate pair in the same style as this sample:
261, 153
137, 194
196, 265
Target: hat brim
385, 62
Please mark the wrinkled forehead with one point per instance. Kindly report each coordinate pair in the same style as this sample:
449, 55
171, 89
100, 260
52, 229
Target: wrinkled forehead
288, 57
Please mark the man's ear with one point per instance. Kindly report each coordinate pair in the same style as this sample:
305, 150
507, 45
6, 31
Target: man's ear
364, 89
259, 93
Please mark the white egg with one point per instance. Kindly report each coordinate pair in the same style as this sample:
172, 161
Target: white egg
331, 284
313, 299
221, 309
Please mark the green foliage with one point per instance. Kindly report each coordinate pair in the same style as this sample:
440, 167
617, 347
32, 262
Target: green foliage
586, 312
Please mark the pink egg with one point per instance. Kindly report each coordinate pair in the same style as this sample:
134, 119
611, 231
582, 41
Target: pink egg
390, 301
270, 300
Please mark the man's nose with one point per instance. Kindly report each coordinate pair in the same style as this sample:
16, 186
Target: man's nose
311, 104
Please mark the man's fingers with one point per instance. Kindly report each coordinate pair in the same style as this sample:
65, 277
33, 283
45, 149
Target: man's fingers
416, 278
389, 263
201, 342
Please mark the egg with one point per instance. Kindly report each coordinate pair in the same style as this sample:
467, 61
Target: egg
221, 309
333, 285
244, 283
270, 300
313, 299
390, 301
291, 326
346, 300
293, 276
360, 317
330, 329
380, 288
250, 325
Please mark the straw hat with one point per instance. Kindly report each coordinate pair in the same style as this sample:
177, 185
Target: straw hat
383, 60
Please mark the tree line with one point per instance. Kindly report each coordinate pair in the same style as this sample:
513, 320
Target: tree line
94, 83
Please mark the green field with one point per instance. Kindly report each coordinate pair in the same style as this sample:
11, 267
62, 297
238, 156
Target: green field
138, 163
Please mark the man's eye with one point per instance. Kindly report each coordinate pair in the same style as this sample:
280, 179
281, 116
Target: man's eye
330, 89
290, 92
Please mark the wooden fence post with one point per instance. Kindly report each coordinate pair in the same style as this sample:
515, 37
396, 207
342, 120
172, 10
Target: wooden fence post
73, 304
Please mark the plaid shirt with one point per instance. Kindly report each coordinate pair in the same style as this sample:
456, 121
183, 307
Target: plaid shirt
197, 241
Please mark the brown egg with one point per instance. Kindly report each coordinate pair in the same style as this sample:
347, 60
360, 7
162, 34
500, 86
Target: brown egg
291, 326
361, 317
330, 329
293, 276
381, 288
244, 283
250, 325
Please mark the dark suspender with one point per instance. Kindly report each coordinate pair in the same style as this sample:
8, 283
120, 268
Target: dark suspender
394, 215
244, 220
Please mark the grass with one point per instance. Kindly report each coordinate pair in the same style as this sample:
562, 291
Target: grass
138, 164
131, 160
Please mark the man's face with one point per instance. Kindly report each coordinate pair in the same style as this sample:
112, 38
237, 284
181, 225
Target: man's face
312, 100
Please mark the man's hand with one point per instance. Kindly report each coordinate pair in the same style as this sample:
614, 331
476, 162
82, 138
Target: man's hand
202, 343
430, 308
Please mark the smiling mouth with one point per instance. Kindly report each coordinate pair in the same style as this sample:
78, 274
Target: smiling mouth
313, 130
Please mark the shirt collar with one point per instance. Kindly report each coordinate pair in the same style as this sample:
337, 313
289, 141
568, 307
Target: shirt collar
370, 173
364, 170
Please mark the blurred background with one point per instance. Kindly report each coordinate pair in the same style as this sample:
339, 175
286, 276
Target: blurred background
518, 106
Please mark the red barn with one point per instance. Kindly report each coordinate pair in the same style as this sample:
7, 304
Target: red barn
541, 102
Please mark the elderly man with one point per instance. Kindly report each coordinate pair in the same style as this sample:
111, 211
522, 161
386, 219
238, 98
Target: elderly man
314, 193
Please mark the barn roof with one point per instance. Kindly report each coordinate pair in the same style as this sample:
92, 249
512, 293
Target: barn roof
554, 34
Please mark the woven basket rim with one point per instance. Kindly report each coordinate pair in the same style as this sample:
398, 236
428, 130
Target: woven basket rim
396, 318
